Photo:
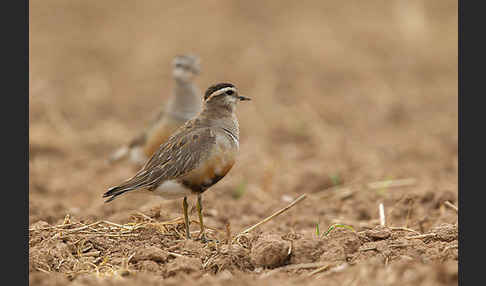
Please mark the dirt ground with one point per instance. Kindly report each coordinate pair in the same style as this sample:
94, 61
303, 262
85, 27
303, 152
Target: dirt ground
354, 105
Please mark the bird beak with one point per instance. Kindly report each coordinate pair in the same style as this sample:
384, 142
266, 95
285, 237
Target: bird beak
242, 98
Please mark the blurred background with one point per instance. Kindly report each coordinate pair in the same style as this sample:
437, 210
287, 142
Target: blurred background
343, 93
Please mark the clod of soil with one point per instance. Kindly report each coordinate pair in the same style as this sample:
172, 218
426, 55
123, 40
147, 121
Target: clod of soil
379, 232
183, 264
39, 225
150, 253
149, 266
231, 257
446, 232
339, 244
270, 251
306, 250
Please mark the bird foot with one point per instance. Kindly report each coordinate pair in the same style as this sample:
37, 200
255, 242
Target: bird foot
204, 239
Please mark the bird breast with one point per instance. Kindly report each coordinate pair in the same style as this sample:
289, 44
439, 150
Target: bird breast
219, 162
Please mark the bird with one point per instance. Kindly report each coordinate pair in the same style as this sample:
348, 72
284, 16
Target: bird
195, 157
184, 103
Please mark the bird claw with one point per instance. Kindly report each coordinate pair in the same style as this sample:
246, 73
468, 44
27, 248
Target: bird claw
204, 239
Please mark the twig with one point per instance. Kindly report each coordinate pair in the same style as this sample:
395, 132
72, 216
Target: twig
81, 228
392, 183
228, 233
294, 267
399, 245
119, 225
92, 253
381, 209
320, 269
271, 216
427, 235
409, 212
404, 229
369, 248
208, 227
175, 254
146, 216
450, 247
170, 222
53, 226
110, 234
450, 205
338, 190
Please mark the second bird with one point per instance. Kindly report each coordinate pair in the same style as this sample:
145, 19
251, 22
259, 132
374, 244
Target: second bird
184, 104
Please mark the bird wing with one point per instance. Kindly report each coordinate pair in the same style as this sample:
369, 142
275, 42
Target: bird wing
138, 140
141, 138
183, 152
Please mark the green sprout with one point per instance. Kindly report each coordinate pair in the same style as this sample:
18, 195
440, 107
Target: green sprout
382, 191
338, 225
239, 190
335, 179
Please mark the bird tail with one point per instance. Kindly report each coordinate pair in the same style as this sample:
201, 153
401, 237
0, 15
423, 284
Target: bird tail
115, 192
128, 186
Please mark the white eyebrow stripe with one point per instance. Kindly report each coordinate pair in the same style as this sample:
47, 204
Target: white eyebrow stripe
221, 91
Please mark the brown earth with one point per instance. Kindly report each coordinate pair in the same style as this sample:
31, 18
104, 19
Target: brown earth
354, 105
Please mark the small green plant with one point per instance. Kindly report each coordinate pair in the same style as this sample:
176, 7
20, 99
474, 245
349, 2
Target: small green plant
335, 179
382, 191
338, 225
239, 191
318, 233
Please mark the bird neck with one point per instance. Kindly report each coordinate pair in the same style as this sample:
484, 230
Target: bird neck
222, 116
218, 110
185, 99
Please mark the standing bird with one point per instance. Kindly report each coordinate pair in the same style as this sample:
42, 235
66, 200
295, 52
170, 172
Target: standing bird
184, 104
196, 156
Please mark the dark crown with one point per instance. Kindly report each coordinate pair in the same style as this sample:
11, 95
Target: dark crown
216, 87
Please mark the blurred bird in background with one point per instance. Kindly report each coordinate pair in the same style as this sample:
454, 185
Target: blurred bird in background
184, 104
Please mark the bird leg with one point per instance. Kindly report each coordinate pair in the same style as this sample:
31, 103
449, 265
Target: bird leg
202, 235
186, 218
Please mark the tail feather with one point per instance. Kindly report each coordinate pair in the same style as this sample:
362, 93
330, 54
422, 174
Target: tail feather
134, 183
115, 192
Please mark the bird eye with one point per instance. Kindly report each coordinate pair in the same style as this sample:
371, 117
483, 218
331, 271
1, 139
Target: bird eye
229, 92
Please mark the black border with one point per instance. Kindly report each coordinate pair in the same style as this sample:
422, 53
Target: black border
471, 142
23, 70
459, 143
15, 139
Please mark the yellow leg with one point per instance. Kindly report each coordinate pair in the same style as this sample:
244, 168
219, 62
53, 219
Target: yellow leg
186, 218
199, 211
